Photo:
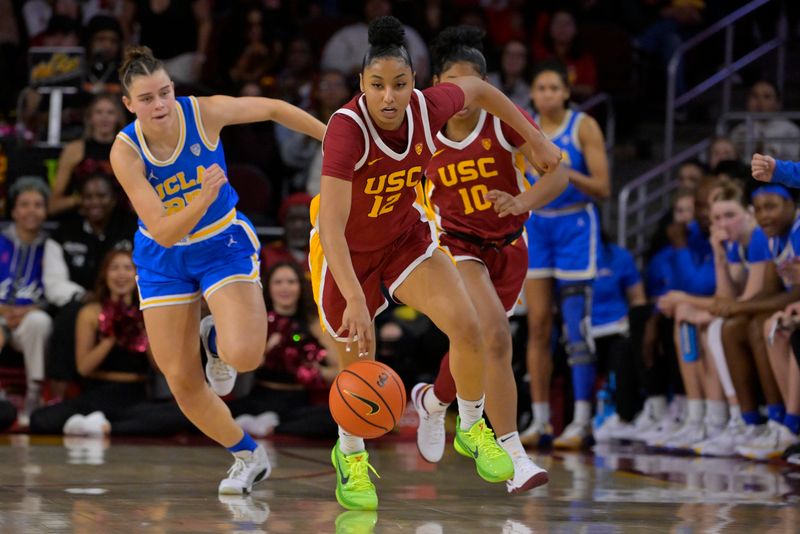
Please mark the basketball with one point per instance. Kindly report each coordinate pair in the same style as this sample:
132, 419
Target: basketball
367, 399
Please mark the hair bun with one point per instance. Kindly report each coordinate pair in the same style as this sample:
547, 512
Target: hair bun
386, 32
135, 53
460, 36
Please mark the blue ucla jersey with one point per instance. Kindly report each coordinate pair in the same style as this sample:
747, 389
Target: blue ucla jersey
566, 138
755, 252
177, 180
616, 273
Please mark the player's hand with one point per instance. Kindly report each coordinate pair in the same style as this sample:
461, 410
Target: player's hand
213, 180
668, 302
724, 307
505, 204
789, 270
792, 312
763, 167
358, 325
718, 237
546, 155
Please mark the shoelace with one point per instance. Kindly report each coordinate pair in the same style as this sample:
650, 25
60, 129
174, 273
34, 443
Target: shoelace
237, 468
359, 477
437, 418
768, 439
220, 369
484, 440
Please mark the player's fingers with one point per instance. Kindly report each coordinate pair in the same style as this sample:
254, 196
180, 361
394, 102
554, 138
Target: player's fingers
342, 329
493, 196
363, 342
537, 168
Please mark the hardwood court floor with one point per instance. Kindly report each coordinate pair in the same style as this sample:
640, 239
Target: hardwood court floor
90, 486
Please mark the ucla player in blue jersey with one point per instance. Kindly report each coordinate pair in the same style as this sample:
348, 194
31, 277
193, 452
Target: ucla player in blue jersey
192, 243
562, 247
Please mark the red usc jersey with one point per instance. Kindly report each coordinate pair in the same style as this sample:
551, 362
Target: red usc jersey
384, 177
461, 173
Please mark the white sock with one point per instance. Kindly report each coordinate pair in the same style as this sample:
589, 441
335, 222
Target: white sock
696, 410
583, 412
470, 411
349, 443
734, 411
512, 445
659, 403
541, 412
677, 408
431, 402
716, 412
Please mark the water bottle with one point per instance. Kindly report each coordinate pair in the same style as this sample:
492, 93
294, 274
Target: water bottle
688, 340
605, 405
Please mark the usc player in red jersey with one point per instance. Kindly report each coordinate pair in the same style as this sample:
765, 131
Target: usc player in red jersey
370, 233
479, 159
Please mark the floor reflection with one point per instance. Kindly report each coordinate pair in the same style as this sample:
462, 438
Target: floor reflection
93, 486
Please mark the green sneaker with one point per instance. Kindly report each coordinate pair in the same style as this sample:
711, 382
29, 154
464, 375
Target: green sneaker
354, 489
493, 462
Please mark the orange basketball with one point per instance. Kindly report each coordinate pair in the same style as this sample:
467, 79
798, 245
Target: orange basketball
367, 399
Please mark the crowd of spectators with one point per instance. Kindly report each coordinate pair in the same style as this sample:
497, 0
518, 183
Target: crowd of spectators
67, 297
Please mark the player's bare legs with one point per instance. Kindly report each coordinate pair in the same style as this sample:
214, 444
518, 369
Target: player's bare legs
174, 339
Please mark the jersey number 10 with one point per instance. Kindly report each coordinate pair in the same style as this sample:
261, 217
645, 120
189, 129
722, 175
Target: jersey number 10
474, 198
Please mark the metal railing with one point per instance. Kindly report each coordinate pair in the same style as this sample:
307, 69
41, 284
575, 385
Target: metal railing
643, 201
730, 67
748, 120
646, 198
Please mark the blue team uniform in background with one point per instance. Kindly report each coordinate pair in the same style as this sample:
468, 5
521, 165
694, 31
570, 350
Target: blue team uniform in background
692, 266
563, 240
780, 249
755, 252
563, 236
222, 248
616, 274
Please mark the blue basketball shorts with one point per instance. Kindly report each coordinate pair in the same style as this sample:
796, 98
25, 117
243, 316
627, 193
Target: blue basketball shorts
562, 244
210, 258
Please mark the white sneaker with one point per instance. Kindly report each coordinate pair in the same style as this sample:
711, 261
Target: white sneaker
691, 433
248, 469
792, 454
244, 509
221, 376
527, 475
575, 436
770, 444
430, 432
246, 422
611, 428
646, 421
264, 424
96, 425
725, 443
74, 426
537, 435
665, 429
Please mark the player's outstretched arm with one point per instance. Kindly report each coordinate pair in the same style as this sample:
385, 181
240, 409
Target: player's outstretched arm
334, 211
219, 111
546, 154
545, 190
166, 229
